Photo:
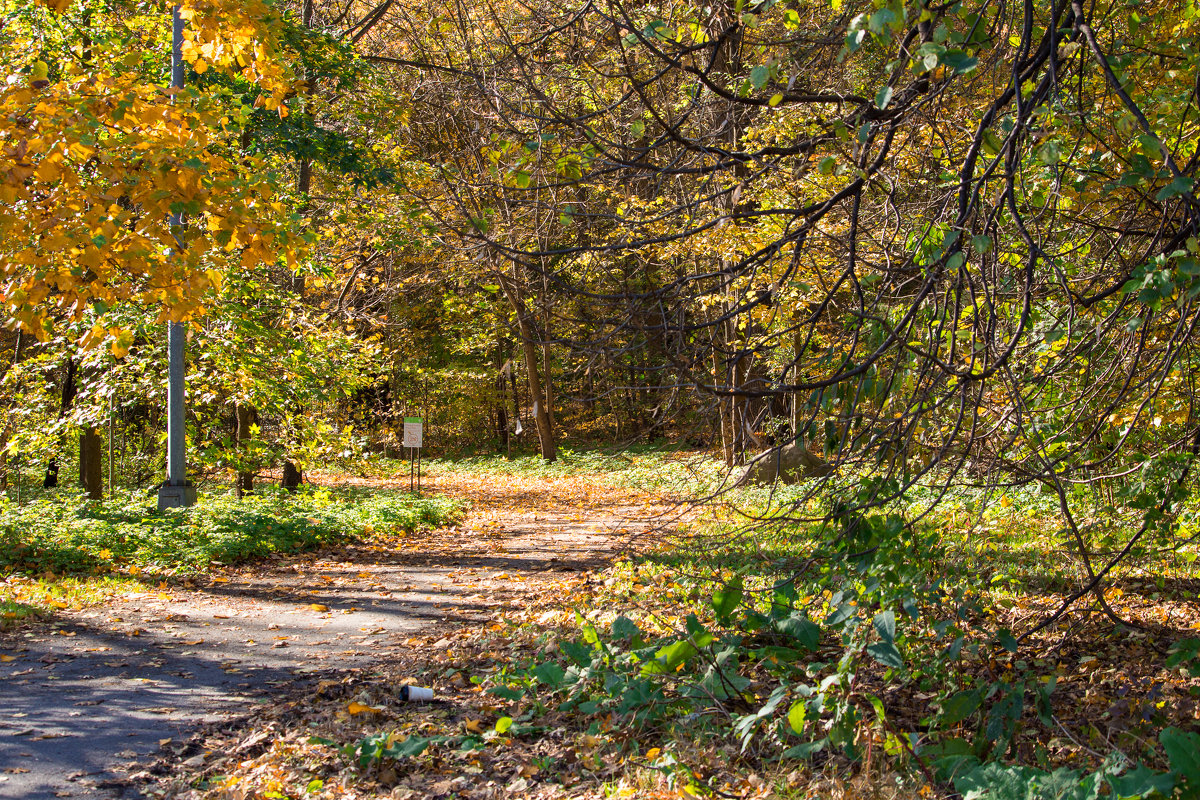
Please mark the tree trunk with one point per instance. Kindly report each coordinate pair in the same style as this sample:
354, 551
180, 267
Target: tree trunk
292, 476
69, 390
90, 445
502, 406
541, 414
245, 417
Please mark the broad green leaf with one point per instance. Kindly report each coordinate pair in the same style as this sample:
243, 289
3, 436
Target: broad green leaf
802, 629
1180, 186
727, 598
806, 750
1050, 153
672, 655
886, 653
1141, 782
1183, 754
796, 716
885, 625
959, 706
581, 654
624, 629
549, 673
508, 693
881, 21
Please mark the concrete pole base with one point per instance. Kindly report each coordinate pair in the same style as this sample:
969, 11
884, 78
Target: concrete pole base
176, 496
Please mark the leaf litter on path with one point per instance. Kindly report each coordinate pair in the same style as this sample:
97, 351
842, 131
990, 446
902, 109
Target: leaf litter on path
430, 607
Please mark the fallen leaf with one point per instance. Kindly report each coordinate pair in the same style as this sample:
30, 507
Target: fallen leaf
319, 607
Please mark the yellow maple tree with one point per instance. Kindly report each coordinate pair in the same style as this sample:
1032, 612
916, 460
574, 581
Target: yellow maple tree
98, 154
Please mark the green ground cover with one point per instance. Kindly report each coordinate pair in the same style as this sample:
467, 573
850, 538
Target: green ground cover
61, 551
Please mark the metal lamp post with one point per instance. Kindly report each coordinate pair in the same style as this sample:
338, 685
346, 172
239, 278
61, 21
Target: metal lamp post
176, 492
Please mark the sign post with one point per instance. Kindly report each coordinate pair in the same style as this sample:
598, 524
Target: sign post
412, 440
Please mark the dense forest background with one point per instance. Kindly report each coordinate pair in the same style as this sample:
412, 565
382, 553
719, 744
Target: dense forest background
955, 238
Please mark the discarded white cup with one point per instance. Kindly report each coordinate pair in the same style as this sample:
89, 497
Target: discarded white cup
415, 694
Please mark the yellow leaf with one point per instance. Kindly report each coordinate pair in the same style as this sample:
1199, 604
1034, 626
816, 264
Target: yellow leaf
319, 607
6, 659
361, 708
473, 726
652, 753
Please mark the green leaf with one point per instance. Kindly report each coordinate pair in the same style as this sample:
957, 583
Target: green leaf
802, 629
881, 21
992, 143
503, 724
522, 179
959, 706
1180, 186
796, 716
886, 653
981, 244
412, 746
550, 674
806, 750
1141, 782
1050, 153
996, 781
581, 654
637, 128
727, 598
885, 625
883, 97
1183, 753
1150, 146
507, 692
624, 629
959, 61
759, 76
675, 654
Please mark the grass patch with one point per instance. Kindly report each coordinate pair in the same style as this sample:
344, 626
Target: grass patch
63, 552
642, 467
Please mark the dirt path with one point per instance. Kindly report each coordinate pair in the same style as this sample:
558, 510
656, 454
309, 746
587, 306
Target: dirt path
87, 699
